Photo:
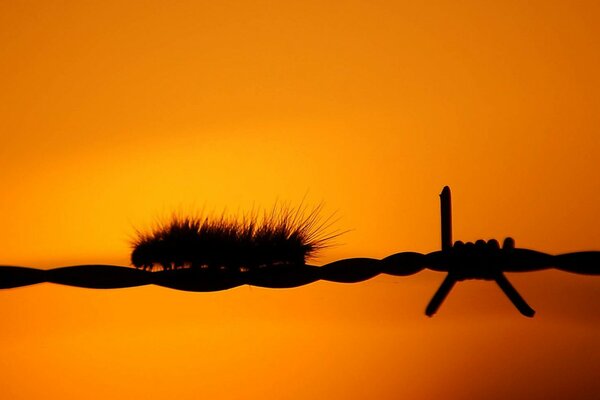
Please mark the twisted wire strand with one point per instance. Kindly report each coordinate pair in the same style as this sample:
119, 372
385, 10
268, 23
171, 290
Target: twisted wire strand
470, 263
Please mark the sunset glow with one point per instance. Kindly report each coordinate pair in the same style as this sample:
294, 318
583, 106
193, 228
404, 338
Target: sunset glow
116, 114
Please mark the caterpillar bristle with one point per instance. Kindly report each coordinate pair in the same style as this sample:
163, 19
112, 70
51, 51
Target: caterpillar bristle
282, 236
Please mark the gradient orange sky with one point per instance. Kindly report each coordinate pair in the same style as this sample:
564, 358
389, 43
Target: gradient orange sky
115, 114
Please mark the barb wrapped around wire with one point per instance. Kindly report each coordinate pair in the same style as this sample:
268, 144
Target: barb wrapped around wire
461, 261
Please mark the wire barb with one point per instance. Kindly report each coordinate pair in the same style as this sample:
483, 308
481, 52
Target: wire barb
479, 260
461, 261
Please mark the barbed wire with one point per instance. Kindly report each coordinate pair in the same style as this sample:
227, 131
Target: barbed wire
464, 264
461, 261
478, 260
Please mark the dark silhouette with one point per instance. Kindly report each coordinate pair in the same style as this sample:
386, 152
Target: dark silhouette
461, 261
283, 236
479, 260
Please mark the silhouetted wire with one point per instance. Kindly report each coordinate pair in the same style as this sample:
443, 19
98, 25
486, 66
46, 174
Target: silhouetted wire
461, 261
350, 270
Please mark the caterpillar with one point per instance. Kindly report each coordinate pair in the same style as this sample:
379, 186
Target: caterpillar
283, 236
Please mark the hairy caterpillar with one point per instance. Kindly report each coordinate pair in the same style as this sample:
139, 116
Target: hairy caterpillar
283, 236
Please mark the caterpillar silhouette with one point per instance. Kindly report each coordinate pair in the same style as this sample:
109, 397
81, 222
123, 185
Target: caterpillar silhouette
283, 236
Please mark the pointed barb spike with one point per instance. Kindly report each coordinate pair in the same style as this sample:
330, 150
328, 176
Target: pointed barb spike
446, 217
440, 295
514, 296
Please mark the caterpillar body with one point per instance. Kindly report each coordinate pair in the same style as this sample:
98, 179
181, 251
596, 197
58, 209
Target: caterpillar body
283, 237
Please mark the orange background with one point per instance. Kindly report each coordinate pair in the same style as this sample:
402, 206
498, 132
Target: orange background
114, 115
